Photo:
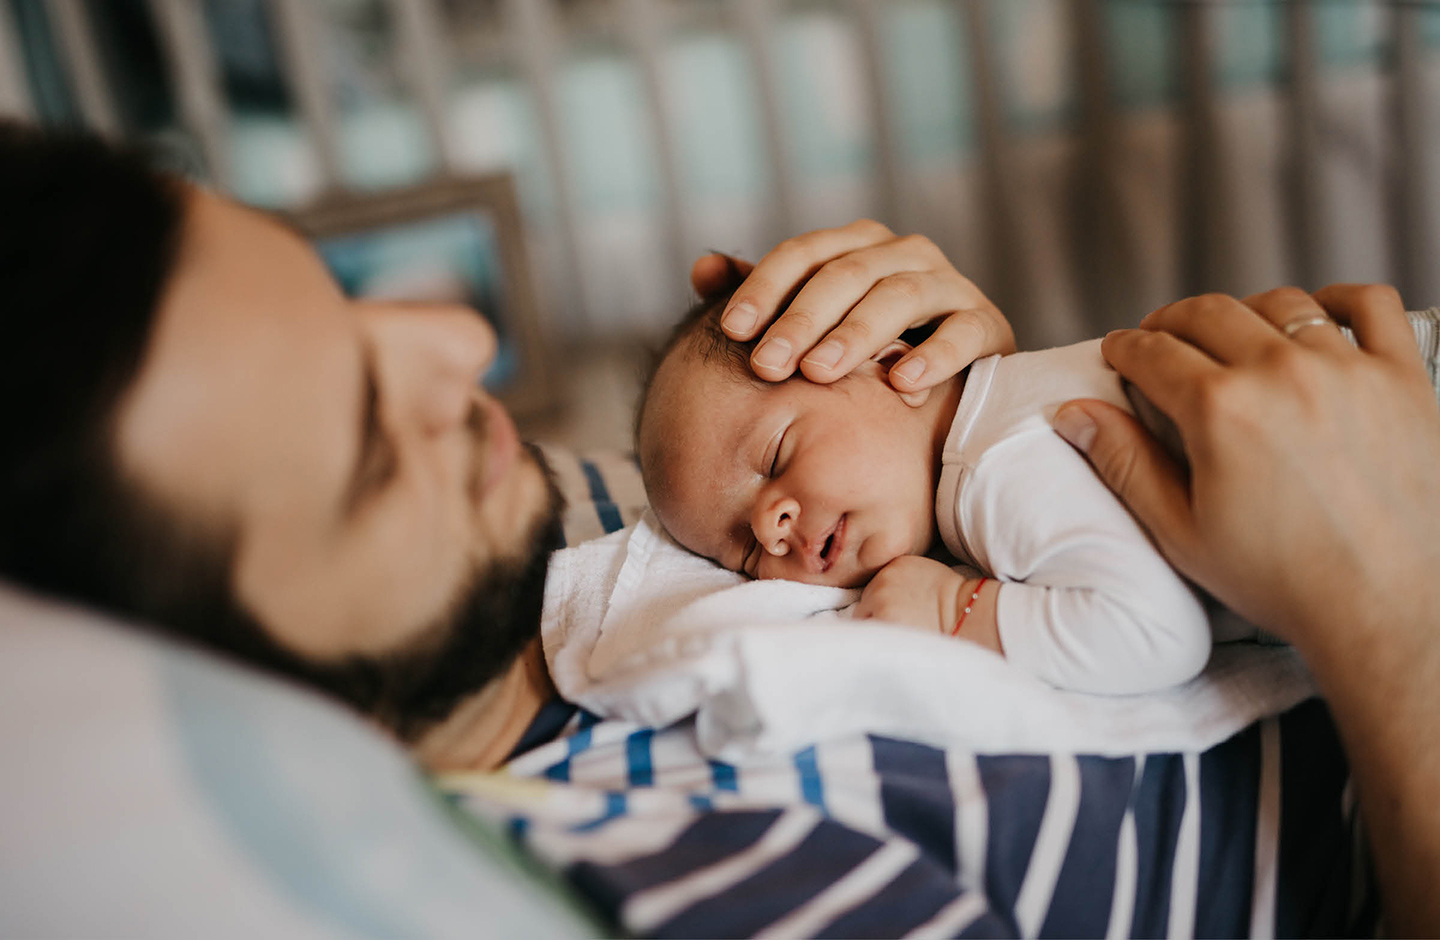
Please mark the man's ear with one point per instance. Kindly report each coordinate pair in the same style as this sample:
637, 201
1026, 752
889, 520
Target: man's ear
886, 359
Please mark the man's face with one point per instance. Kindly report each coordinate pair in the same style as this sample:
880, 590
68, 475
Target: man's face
369, 482
818, 483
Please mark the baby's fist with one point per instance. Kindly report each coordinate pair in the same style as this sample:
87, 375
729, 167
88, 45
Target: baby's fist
912, 590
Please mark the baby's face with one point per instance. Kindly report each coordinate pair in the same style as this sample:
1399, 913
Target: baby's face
817, 483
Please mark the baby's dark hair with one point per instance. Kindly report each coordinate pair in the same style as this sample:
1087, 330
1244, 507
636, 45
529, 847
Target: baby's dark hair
702, 322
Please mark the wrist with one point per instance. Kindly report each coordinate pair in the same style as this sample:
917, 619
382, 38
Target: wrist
979, 624
967, 596
1369, 628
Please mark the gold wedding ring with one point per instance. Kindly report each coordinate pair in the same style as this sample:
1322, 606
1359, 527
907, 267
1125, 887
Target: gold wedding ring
1299, 323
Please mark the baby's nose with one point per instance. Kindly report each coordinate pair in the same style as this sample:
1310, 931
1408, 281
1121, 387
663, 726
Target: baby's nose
775, 523
778, 546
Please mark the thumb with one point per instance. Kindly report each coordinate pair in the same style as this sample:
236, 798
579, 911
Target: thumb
1137, 467
712, 271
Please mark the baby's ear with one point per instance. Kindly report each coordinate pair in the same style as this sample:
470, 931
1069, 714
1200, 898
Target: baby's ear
886, 359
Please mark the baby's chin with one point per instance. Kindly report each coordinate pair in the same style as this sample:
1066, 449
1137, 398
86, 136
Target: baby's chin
849, 576
856, 579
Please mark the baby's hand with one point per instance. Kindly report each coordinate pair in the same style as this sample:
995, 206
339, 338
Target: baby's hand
912, 590
927, 594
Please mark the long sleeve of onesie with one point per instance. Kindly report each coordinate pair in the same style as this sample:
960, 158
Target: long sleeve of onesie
1086, 601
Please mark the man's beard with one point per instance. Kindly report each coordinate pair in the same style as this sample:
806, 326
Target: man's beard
495, 616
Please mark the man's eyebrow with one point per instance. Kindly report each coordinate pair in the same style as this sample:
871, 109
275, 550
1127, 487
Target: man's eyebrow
374, 458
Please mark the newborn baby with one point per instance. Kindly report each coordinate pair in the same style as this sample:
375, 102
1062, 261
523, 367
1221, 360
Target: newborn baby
847, 484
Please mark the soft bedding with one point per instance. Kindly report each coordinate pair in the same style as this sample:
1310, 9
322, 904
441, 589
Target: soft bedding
636, 627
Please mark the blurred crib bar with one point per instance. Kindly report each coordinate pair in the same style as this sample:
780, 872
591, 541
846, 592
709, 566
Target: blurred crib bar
14, 95
1084, 160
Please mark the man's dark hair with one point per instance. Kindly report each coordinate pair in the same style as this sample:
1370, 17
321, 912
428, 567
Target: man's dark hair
89, 235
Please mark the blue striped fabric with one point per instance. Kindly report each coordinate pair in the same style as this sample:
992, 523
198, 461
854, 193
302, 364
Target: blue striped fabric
915, 796
1091, 858
874, 836
827, 853
1229, 797
1016, 789
1158, 804
605, 507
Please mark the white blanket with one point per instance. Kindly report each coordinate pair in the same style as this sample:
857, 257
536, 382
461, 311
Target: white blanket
636, 627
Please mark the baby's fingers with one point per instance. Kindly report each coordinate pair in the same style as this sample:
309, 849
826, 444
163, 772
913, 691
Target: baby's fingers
878, 600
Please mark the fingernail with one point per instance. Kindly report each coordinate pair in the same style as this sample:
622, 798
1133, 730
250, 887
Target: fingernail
911, 369
739, 318
826, 354
772, 354
1076, 427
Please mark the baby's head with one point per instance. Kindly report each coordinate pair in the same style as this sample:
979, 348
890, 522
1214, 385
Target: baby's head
818, 483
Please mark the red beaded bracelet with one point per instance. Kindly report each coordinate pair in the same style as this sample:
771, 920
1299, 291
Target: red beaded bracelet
973, 598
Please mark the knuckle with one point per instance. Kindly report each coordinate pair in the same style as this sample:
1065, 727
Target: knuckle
941, 348
871, 228
1117, 465
804, 250
857, 329
994, 331
1217, 398
1210, 304
968, 326
798, 320
907, 285
918, 243
1378, 296
848, 267
1146, 342
792, 247
1288, 359
757, 285
1288, 294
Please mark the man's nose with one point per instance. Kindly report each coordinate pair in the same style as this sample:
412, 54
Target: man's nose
431, 359
773, 523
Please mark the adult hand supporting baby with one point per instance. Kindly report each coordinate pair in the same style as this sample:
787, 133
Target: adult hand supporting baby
1310, 506
855, 289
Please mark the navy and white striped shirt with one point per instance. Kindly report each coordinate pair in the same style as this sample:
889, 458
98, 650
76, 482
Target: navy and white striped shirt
875, 836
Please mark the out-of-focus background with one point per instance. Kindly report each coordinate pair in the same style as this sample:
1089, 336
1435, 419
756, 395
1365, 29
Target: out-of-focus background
1084, 161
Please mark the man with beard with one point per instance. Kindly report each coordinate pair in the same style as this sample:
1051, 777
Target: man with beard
207, 436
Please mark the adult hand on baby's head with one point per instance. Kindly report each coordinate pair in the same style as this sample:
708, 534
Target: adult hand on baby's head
855, 289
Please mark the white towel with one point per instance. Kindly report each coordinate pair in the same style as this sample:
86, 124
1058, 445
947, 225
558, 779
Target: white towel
636, 627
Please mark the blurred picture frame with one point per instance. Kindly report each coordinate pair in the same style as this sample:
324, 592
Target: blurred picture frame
454, 240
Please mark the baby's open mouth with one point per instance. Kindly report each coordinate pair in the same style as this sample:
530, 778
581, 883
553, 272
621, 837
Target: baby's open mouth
834, 543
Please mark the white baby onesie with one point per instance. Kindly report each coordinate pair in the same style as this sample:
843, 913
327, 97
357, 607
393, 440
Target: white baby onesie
1086, 601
